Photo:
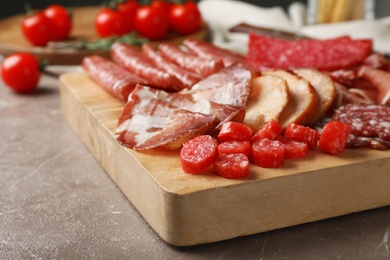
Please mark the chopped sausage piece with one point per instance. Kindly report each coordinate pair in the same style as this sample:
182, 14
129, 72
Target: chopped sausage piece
190, 61
234, 131
232, 166
334, 137
270, 130
136, 62
268, 153
302, 133
233, 146
294, 149
198, 154
112, 77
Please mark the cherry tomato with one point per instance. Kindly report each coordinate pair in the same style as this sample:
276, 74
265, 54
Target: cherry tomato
20, 72
37, 29
185, 18
164, 5
151, 23
129, 9
109, 22
60, 19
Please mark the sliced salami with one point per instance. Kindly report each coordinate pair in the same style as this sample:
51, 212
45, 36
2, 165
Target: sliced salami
112, 77
366, 120
190, 61
136, 62
187, 77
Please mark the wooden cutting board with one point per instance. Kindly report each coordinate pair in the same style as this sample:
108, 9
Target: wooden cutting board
12, 39
189, 209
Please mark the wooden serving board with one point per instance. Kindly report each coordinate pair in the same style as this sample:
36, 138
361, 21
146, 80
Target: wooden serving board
189, 209
12, 39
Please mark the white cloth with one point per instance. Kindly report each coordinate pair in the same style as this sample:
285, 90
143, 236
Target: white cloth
221, 15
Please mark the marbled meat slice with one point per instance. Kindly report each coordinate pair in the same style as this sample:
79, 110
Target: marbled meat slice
154, 123
188, 78
380, 80
190, 61
325, 55
223, 113
230, 86
366, 120
110, 76
136, 62
210, 51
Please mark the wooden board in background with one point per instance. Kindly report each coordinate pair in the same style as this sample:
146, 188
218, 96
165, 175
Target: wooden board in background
12, 39
189, 209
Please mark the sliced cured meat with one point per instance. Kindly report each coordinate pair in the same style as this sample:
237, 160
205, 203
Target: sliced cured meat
210, 51
366, 120
136, 62
325, 88
294, 149
270, 130
334, 137
190, 61
187, 77
153, 123
234, 131
303, 100
370, 142
233, 146
324, 55
223, 113
380, 79
112, 77
302, 133
232, 166
269, 96
268, 153
231, 85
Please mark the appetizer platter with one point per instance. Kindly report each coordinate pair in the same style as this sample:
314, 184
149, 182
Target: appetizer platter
184, 209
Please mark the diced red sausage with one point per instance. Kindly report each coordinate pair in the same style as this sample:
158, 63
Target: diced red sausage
302, 133
270, 130
268, 153
334, 137
232, 166
229, 147
294, 149
198, 154
110, 76
234, 131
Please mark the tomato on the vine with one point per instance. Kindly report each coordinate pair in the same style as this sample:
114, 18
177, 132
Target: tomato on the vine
109, 22
151, 23
20, 72
60, 19
37, 29
129, 9
185, 18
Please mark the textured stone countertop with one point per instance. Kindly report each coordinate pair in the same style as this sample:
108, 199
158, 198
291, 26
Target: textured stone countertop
56, 202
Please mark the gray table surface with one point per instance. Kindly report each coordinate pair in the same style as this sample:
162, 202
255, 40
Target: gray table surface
56, 202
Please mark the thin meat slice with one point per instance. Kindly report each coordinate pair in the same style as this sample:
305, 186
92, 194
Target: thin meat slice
136, 62
185, 59
380, 80
187, 77
231, 86
154, 123
210, 51
112, 77
223, 113
325, 55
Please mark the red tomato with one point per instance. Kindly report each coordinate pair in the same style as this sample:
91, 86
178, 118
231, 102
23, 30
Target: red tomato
334, 137
302, 133
37, 29
234, 131
185, 18
60, 19
164, 5
270, 130
232, 166
198, 154
129, 9
294, 149
229, 147
109, 22
20, 72
151, 23
268, 153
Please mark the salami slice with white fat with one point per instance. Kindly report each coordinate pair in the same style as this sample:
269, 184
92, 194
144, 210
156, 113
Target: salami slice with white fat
112, 77
154, 123
366, 120
187, 77
190, 61
136, 62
